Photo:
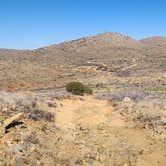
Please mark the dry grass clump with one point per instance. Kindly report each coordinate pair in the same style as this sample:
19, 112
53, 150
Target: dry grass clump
135, 95
17, 102
38, 115
147, 114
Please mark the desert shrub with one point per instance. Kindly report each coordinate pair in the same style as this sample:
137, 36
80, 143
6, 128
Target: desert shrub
135, 95
38, 115
31, 139
88, 90
78, 88
33, 112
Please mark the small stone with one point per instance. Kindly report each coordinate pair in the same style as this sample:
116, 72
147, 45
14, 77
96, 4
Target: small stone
17, 148
102, 126
83, 127
52, 104
127, 100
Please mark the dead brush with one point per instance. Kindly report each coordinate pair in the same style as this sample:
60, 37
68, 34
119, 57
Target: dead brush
34, 113
38, 115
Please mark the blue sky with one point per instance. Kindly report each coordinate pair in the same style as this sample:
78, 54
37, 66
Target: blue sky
28, 24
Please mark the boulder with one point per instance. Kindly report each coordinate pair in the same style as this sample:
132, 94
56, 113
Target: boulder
9, 122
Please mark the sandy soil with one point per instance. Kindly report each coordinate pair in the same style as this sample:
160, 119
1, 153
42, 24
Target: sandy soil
92, 113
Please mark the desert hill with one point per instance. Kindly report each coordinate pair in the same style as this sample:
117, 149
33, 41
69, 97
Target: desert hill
107, 45
47, 66
155, 41
106, 48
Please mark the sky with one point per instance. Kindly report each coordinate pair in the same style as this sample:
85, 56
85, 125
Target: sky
29, 24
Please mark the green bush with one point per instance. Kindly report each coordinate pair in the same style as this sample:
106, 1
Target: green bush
78, 88
88, 90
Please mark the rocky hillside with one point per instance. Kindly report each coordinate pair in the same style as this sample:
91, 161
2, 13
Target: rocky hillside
46, 66
155, 41
103, 48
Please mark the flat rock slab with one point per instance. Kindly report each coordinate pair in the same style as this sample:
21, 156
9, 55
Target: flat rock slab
9, 121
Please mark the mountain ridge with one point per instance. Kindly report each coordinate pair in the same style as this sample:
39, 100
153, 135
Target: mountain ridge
104, 35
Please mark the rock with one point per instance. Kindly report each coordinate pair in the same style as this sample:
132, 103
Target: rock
102, 126
5, 109
127, 100
83, 127
17, 148
80, 144
52, 104
9, 122
102, 67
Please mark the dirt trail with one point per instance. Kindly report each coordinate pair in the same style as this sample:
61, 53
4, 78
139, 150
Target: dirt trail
92, 113
88, 111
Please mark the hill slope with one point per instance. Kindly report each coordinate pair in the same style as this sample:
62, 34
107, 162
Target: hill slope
56, 64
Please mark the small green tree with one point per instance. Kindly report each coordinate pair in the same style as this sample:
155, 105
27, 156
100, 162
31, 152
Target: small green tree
78, 88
